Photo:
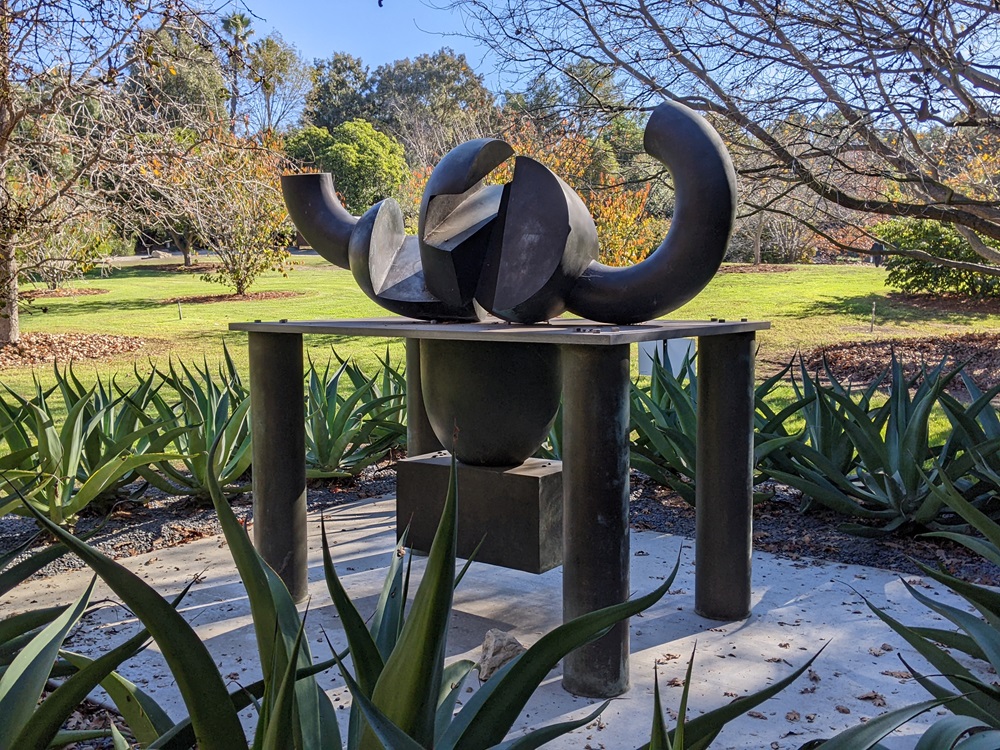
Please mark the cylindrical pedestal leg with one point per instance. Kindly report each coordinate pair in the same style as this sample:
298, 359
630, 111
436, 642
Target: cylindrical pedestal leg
279, 467
420, 437
724, 476
595, 510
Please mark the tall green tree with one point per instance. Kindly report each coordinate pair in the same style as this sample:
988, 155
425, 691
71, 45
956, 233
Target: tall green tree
432, 103
282, 80
341, 91
237, 27
367, 165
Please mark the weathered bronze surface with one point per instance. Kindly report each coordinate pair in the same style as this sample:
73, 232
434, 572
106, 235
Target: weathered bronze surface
491, 404
527, 251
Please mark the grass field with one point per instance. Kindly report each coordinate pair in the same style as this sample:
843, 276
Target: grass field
808, 306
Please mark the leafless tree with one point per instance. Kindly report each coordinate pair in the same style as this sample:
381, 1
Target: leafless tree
878, 107
76, 138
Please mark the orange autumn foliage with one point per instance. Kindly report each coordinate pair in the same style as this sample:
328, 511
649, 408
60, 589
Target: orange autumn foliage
625, 229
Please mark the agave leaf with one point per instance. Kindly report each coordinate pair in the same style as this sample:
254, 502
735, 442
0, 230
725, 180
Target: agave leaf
868, 735
658, 738
960, 704
19, 624
983, 523
383, 729
983, 598
21, 571
951, 639
365, 655
281, 726
984, 549
119, 742
487, 715
944, 733
22, 683
142, 714
987, 637
945, 664
452, 680
408, 688
539, 737
387, 621
983, 741
110, 473
44, 724
701, 731
677, 738
15, 459
69, 736
276, 620
198, 680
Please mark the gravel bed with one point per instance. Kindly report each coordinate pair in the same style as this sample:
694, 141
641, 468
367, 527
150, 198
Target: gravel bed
778, 527
162, 520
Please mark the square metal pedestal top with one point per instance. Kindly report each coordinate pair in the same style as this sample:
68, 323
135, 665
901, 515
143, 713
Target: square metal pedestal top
556, 331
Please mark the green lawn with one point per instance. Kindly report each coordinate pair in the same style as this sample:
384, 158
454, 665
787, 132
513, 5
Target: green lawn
813, 306
808, 307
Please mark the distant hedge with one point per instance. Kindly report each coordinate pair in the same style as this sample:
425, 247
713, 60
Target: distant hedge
943, 241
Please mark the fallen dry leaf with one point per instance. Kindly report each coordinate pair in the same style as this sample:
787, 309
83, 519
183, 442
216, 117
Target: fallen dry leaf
877, 699
898, 674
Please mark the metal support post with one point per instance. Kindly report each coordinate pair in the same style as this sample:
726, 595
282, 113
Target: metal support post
724, 476
420, 437
279, 469
595, 510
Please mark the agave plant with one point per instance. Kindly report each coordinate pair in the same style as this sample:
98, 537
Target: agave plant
388, 383
121, 424
664, 417
891, 483
210, 410
825, 439
31, 653
57, 482
974, 702
976, 427
345, 434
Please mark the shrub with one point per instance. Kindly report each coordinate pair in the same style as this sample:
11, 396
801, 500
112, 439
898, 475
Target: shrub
941, 240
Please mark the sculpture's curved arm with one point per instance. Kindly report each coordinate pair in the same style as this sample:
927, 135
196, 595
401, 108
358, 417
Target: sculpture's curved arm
691, 253
318, 214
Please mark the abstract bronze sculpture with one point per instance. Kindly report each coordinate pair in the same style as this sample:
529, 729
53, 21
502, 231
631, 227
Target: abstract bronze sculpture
527, 251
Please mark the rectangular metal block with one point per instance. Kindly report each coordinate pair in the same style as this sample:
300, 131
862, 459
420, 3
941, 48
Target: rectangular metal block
515, 512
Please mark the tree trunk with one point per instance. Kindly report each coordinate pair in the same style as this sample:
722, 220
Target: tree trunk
758, 235
184, 243
10, 324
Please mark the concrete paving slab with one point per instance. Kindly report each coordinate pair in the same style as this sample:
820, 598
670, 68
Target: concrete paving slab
798, 606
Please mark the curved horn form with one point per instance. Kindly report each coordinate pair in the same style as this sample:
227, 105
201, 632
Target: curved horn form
318, 214
691, 253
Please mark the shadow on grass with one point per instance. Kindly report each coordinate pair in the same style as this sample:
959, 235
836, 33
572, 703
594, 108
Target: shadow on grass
896, 309
88, 306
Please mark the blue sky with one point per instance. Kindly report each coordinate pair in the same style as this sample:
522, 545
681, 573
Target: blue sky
401, 28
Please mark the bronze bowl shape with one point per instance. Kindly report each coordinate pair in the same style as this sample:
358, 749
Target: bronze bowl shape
490, 403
